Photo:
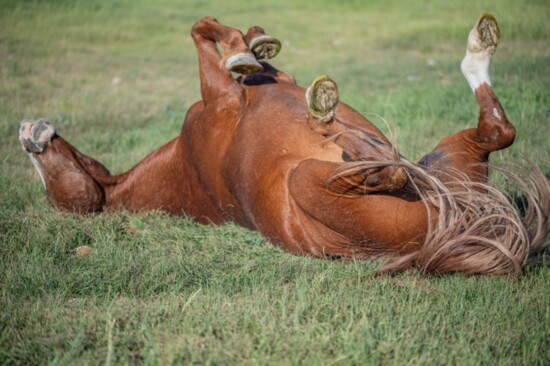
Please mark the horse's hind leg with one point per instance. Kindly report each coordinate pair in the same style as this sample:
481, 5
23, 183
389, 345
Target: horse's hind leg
70, 178
467, 151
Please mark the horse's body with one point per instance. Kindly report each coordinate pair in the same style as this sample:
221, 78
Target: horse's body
252, 152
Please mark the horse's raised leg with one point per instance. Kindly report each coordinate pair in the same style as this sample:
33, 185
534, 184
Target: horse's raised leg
215, 70
69, 177
467, 151
264, 47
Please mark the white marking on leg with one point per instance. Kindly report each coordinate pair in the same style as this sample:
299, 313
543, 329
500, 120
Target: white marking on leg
475, 68
496, 114
37, 166
475, 65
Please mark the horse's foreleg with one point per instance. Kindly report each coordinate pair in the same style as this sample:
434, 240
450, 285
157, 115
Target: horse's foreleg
71, 179
467, 152
215, 70
264, 46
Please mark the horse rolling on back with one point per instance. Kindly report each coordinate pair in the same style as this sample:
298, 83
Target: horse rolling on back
311, 174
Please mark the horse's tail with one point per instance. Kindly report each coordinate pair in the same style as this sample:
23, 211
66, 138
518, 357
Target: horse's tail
479, 228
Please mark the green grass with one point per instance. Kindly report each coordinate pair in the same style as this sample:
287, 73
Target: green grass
162, 290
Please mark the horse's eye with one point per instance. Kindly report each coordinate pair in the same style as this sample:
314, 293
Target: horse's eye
346, 157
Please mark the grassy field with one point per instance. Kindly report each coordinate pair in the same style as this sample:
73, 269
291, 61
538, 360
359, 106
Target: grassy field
116, 77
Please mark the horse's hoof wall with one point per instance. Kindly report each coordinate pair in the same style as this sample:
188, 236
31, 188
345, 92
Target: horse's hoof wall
265, 47
243, 63
34, 136
322, 98
485, 35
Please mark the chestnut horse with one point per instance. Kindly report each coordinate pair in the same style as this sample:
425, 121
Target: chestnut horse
311, 174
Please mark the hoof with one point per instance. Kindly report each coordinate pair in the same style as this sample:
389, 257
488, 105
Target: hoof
34, 136
265, 47
322, 98
243, 63
485, 35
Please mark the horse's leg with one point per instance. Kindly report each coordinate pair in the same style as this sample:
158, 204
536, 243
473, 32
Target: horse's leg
77, 183
264, 46
71, 179
215, 71
467, 151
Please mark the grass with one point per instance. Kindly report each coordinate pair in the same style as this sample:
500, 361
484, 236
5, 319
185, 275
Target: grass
162, 290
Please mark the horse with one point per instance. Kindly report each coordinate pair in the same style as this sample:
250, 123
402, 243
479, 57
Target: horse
310, 173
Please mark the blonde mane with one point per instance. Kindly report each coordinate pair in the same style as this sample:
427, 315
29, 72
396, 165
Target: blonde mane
477, 228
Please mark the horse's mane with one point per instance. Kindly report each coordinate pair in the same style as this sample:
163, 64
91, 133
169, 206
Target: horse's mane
479, 228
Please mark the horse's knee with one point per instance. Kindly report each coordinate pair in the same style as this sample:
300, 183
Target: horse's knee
198, 28
493, 128
507, 136
495, 131
75, 191
209, 28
